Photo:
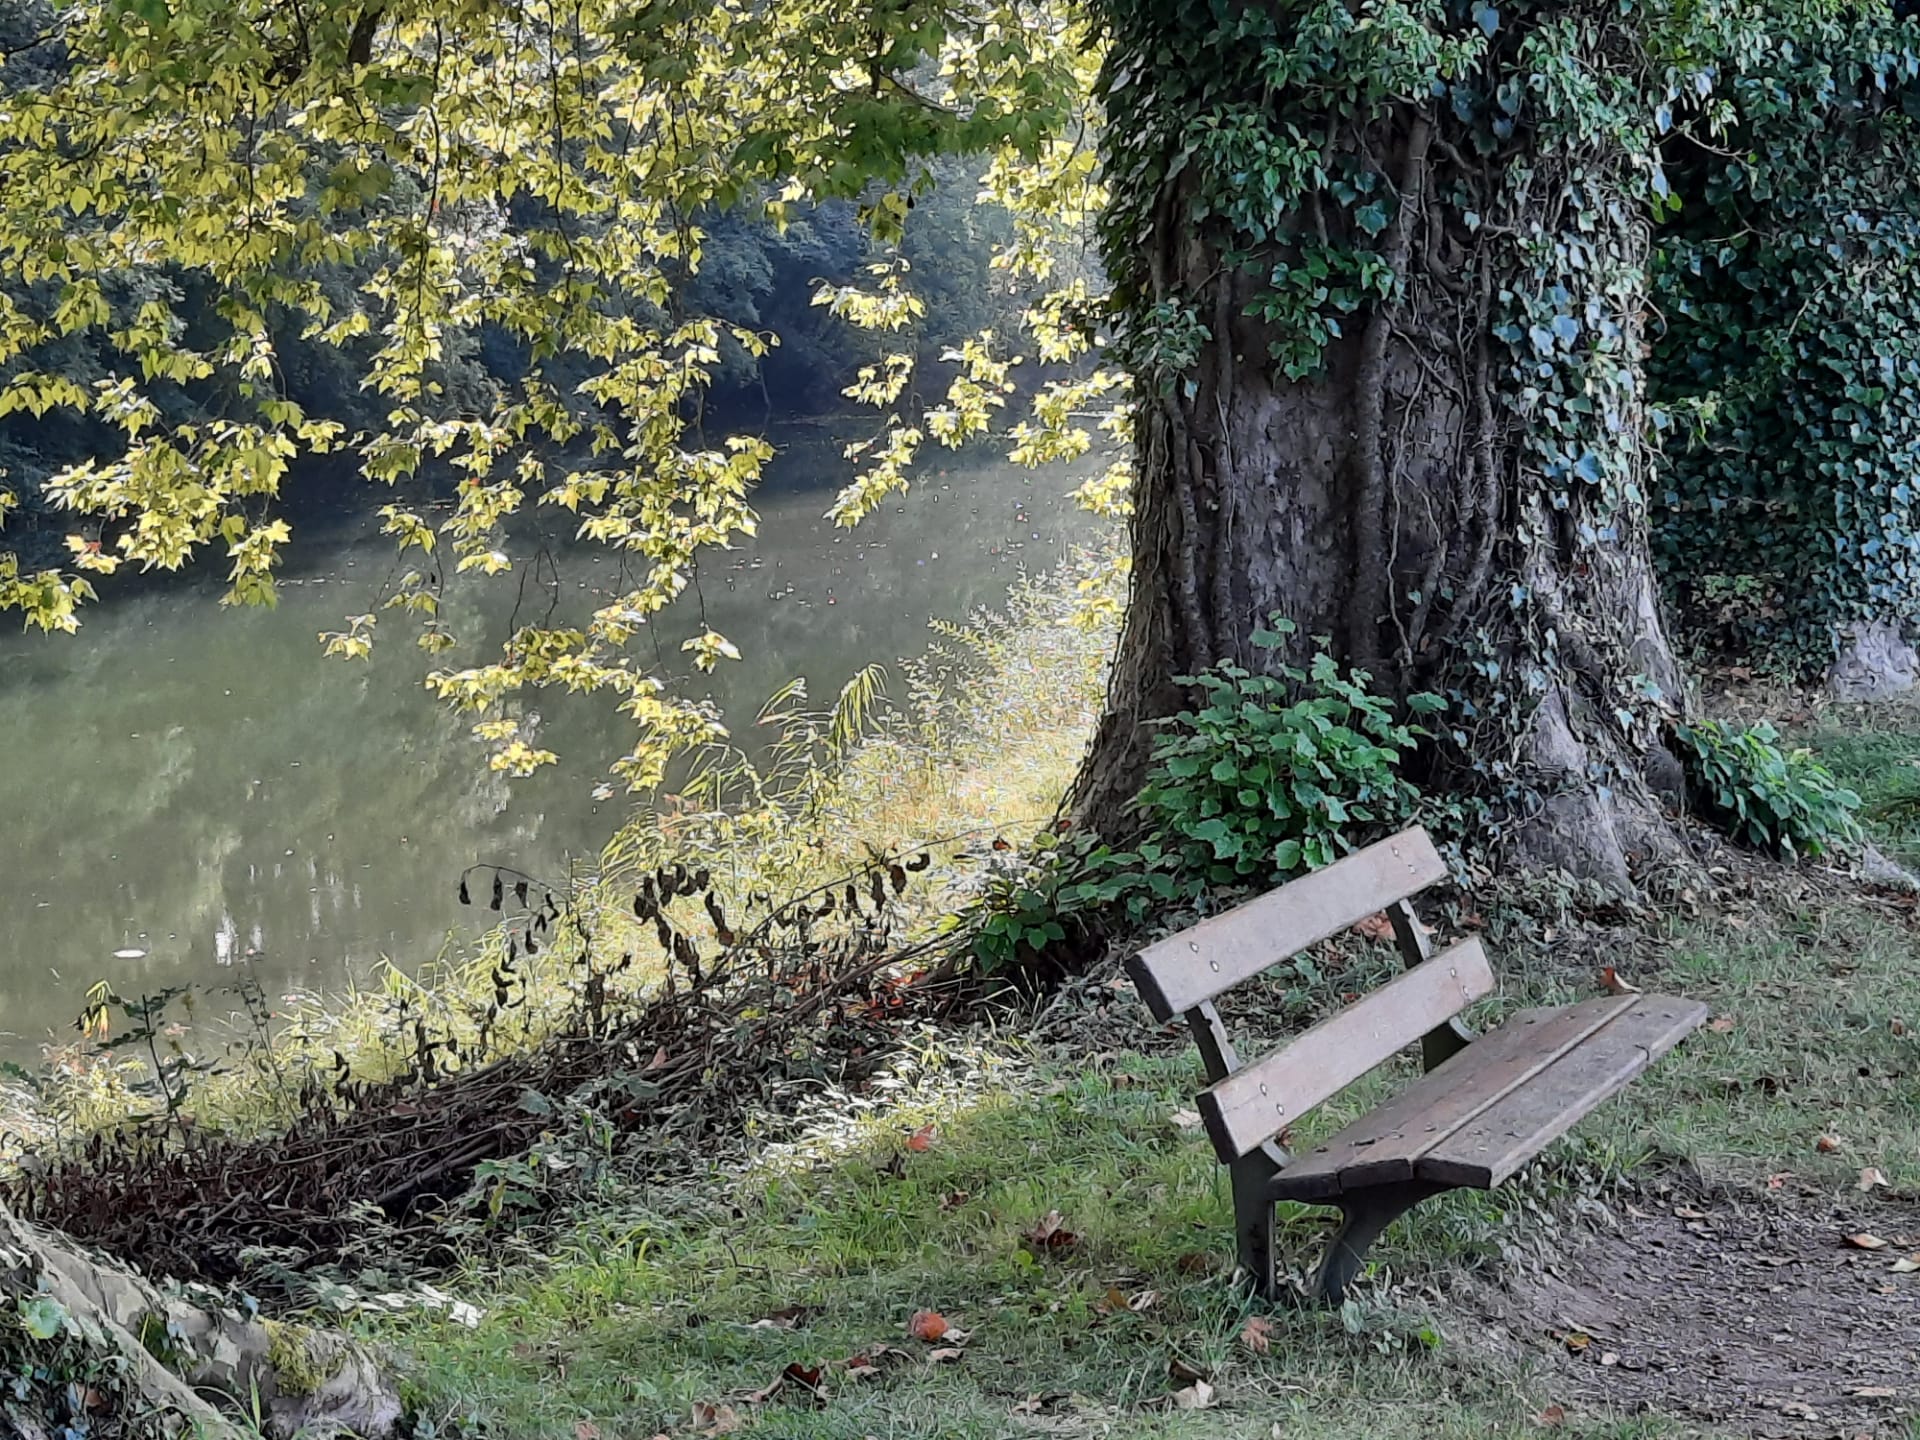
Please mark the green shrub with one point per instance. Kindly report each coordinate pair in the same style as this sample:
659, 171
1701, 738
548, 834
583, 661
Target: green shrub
1058, 892
1785, 802
1257, 784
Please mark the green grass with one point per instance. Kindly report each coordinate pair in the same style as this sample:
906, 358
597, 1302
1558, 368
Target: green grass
1876, 752
644, 1309
648, 1309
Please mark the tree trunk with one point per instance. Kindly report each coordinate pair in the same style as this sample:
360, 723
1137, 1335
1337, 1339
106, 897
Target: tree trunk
1416, 495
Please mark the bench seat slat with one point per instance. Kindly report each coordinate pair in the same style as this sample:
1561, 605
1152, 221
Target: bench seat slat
1212, 957
1257, 1102
1517, 1127
1381, 1147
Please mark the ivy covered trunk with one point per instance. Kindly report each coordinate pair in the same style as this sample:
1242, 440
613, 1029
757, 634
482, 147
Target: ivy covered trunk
1382, 288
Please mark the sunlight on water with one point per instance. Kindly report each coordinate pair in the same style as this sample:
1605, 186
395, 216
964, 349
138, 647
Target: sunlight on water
189, 793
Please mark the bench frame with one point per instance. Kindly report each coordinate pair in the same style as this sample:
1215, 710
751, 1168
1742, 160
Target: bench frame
1241, 943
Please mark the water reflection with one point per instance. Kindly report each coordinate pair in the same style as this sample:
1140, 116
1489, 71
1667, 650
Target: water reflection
186, 792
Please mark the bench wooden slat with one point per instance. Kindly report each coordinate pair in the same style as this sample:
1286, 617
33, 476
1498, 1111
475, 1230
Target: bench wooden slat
1247, 1107
1381, 1148
1514, 1129
1197, 964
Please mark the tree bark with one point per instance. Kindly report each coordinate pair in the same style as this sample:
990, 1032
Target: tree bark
1389, 505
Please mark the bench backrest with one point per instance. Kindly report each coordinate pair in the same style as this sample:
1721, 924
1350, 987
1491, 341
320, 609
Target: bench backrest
1183, 974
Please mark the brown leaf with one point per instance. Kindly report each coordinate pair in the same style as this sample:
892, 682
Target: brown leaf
1193, 1263
1375, 927
1827, 1144
1874, 1392
1181, 1373
659, 1059
953, 1200
1720, 1024
1577, 1341
714, 1419
805, 1376
1197, 1396
921, 1140
945, 1355
1257, 1335
1779, 1180
759, 1397
1553, 1415
1611, 982
1051, 1234
1865, 1241
1113, 1302
927, 1325
585, 1430
787, 1317
1687, 1212
1869, 1178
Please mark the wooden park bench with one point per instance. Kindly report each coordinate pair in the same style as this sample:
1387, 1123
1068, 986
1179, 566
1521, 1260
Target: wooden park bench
1484, 1108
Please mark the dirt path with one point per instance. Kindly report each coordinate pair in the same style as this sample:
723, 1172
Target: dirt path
1755, 1316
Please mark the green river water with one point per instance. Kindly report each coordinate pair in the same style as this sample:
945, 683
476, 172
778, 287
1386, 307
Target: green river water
190, 794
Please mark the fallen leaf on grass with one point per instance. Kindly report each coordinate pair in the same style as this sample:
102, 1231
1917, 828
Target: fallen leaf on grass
807, 1377
953, 1200
1874, 1392
1553, 1415
1181, 1373
1611, 982
1186, 1119
1375, 927
1720, 1024
1577, 1341
1257, 1335
921, 1140
869, 1362
945, 1355
585, 1430
1051, 1234
1197, 1396
714, 1419
1906, 1265
1827, 1144
1869, 1178
1687, 1212
1864, 1241
1193, 1263
1778, 1181
787, 1317
927, 1325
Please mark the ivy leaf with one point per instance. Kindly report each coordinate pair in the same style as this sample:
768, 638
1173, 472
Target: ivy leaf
43, 1316
1487, 17
1371, 218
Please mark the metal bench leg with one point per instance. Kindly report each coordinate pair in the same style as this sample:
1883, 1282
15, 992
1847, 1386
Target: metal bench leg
1253, 1220
1364, 1215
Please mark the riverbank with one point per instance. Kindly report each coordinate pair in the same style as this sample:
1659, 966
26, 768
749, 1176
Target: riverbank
965, 747
1039, 1185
